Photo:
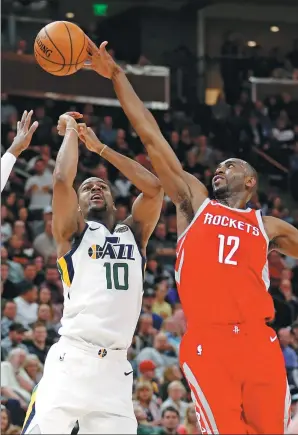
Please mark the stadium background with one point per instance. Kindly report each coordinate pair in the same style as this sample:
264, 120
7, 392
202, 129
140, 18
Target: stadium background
221, 79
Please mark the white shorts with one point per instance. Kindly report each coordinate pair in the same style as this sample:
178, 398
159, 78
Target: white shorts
83, 383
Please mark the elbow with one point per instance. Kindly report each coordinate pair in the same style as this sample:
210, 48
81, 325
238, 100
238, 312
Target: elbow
59, 178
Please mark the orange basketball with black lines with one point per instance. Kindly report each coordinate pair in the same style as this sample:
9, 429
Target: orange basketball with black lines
60, 48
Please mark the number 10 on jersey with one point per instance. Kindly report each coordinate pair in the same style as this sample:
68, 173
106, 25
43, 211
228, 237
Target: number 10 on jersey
116, 276
231, 241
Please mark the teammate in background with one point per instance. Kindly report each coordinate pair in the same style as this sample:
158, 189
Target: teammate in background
222, 278
20, 143
87, 376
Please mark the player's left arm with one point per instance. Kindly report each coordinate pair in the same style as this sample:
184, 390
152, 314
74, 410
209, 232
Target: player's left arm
20, 143
147, 207
283, 236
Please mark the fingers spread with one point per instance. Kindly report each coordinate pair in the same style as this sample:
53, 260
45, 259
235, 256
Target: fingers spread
28, 120
33, 128
23, 119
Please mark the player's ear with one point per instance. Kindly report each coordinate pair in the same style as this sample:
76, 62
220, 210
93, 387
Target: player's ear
114, 207
251, 182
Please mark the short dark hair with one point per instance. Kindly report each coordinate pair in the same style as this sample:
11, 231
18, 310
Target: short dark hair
38, 324
25, 287
18, 327
170, 409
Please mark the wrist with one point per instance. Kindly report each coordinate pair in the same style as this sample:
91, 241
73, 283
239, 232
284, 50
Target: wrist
72, 124
15, 150
100, 147
116, 71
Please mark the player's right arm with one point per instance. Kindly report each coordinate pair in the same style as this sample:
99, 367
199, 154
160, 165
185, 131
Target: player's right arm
184, 190
67, 221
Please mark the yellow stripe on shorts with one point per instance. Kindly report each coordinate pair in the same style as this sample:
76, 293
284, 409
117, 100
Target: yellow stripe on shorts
30, 411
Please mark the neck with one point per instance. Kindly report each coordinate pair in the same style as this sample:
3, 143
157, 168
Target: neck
233, 200
103, 217
41, 345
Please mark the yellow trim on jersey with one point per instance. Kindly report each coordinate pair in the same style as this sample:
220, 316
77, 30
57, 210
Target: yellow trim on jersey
93, 247
30, 411
64, 270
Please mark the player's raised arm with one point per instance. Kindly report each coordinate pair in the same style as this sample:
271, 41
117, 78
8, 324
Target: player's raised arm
283, 236
20, 143
66, 219
163, 158
147, 207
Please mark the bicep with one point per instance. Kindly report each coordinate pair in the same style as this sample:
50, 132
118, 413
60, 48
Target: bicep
167, 167
283, 237
65, 212
145, 215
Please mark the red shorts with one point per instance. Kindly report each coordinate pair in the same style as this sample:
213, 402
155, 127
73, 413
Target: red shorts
238, 379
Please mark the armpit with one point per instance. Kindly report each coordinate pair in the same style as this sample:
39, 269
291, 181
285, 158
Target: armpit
186, 209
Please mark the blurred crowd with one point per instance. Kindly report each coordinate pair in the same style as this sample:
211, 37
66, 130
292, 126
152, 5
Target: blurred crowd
32, 296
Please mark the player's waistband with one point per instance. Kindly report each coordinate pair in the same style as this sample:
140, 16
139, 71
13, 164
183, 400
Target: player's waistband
95, 350
251, 324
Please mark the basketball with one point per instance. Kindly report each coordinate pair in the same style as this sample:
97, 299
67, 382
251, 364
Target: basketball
60, 48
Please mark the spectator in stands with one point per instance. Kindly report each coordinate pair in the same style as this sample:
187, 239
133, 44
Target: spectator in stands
173, 331
10, 385
9, 290
39, 190
160, 306
46, 317
147, 304
30, 373
16, 272
147, 374
37, 345
176, 392
170, 420
6, 229
146, 331
107, 133
26, 304
14, 339
285, 339
148, 402
162, 354
144, 427
171, 373
9, 311
7, 428
190, 424
44, 244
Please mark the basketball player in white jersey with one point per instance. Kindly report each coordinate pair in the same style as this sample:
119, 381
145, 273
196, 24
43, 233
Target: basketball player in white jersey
87, 377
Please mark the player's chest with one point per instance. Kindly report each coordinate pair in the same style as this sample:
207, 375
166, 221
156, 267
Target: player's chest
102, 245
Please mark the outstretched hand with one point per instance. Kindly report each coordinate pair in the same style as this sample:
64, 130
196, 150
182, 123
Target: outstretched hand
24, 134
100, 60
68, 120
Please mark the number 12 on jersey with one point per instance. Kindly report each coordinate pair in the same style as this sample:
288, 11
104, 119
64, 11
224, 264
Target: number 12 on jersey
116, 276
231, 241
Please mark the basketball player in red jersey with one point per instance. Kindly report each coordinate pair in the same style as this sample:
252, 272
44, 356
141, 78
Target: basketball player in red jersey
230, 357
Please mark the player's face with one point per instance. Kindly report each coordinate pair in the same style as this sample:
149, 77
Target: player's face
230, 176
95, 196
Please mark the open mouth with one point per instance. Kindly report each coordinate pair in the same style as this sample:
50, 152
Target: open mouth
96, 197
217, 178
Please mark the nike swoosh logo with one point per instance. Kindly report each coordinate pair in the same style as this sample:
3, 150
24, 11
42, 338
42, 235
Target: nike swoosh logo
272, 339
128, 373
94, 229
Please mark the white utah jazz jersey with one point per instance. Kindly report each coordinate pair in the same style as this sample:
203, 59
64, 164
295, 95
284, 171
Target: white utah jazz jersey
103, 287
